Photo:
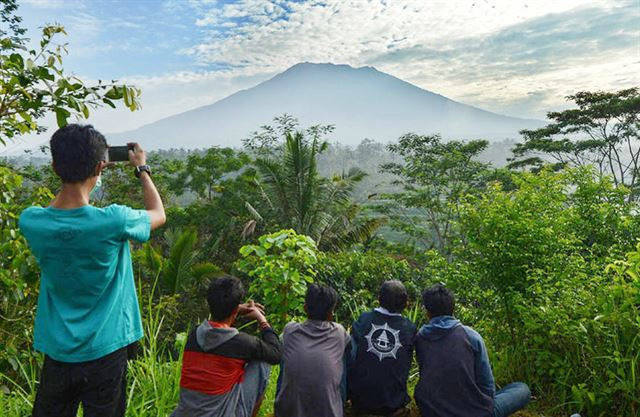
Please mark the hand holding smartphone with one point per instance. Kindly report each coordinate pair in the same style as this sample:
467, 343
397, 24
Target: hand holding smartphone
119, 153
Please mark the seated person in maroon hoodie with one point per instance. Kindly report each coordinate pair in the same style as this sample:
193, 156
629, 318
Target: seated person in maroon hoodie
224, 371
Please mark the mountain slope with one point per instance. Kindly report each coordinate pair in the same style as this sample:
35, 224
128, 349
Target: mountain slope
360, 102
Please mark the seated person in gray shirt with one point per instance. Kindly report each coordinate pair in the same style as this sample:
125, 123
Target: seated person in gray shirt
311, 372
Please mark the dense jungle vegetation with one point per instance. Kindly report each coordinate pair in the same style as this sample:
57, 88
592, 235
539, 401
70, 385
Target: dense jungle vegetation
542, 253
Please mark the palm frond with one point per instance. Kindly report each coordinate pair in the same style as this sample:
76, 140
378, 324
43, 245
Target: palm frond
181, 257
204, 270
152, 259
355, 234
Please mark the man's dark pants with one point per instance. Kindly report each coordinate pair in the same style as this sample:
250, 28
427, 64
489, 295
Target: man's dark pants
100, 385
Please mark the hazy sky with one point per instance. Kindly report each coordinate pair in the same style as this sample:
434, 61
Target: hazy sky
514, 57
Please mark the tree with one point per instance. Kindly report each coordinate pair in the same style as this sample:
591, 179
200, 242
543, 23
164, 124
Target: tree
602, 131
268, 139
206, 173
299, 198
434, 176
180, 269
33, 82
221, 180
280, 267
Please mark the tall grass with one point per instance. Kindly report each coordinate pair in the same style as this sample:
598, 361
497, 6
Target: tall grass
153, 381
153, 378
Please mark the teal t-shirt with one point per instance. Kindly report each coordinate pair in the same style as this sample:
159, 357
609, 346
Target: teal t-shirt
87, 307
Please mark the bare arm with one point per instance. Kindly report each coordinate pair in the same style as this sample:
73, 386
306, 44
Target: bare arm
152, 201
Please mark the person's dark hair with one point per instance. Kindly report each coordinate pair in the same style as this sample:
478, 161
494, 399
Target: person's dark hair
76, 150
393, 296
223, 295
320, 301
438, 300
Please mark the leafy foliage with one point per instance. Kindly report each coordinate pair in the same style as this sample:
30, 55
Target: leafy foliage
19, 274
434, 176
180, 269
280, 266
602, 131
33, 82
204, 174
537, 265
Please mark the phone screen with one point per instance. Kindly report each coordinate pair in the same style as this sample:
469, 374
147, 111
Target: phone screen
118, 153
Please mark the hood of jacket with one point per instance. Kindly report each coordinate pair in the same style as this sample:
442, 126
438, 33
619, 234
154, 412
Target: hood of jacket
438, 327
210, 337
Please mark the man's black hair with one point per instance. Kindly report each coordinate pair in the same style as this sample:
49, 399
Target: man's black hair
76, 151
393, 296
439, 301
223, 295
320, 301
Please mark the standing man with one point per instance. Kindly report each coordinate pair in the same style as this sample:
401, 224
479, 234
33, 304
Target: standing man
87, 311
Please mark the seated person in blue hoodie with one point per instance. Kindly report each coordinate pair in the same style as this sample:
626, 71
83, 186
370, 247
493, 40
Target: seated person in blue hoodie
381, 355
225, 371
455, 374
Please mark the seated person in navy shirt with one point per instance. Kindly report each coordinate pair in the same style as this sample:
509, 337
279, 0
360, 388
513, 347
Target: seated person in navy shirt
381, 355
455, 374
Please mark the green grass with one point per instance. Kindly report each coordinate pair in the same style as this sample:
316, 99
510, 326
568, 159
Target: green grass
153, 378
153, 389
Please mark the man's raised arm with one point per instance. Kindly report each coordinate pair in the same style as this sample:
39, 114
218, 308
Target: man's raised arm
152, 201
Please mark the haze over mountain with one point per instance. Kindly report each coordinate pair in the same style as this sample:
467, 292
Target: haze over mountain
360, 102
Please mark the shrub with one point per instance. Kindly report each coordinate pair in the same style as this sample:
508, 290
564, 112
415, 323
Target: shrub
19, 275
280, 266
534, 263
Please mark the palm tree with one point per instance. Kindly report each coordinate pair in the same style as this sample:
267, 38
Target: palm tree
300, 199
180, 268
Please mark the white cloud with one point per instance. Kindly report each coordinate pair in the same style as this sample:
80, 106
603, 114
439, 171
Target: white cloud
270, 37
350, 31
50, 4
511, 56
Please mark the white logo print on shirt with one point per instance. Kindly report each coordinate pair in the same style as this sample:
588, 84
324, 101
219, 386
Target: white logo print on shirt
383, 341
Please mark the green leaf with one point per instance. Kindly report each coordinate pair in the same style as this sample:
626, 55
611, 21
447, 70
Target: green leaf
17, 60
127, 97
109, 103
85, 111
61, 116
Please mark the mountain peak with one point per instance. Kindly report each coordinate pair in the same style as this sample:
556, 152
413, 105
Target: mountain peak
306, 65
361, 102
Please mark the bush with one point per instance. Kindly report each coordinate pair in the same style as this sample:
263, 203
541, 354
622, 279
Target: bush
357, 277
280, 267
19, 276
534, 262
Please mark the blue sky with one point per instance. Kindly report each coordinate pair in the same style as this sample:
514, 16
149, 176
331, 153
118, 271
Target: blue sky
517, 57
116, 39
